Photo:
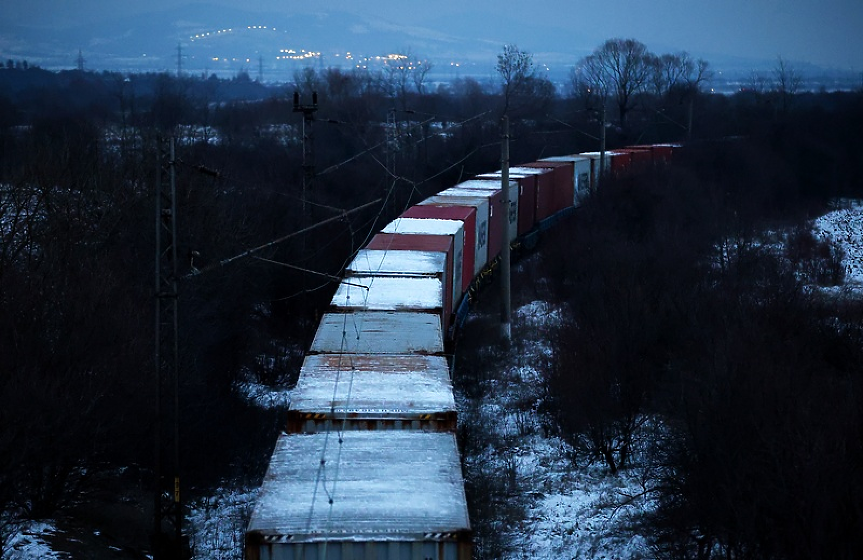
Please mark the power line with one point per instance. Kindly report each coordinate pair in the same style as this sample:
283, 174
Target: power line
250, 252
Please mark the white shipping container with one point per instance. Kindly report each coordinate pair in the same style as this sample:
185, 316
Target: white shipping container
378, 262
378, 332
389, 495
375, 391
387, 293
431, 226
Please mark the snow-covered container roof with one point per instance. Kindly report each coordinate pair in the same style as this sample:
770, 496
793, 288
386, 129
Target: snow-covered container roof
378, 332
362, 486
428, 226
388, 293
569, 158
483, 185
397, 263
482, 195
486, 177
379, 383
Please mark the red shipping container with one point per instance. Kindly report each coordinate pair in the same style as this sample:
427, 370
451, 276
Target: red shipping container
563, 187
476, 239
640, 158
466, 214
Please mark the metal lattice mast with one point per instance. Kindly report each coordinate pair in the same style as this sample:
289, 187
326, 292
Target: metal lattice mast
168, 542
308, 112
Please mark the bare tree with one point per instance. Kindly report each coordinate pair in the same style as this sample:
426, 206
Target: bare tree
787, 83
622, 66
516, 71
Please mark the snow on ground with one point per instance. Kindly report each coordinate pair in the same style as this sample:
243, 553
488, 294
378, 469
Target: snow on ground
31, 542
571, 512
844, 225
217, 524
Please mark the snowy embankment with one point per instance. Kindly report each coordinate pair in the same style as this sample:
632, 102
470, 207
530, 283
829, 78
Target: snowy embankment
569, 512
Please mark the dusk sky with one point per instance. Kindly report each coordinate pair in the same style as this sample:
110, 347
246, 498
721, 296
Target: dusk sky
823, 32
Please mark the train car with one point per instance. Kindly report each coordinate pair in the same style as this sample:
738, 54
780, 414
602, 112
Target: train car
510, 212
379, 332
465, 214
640, 158
392, 293
387, 495
563, 190
346, 392
475, 261
582, 171
409, 264
404, 236
451, 245
526, 182
490, 215
661, 153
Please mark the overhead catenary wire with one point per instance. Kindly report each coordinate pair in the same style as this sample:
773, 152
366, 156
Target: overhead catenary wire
269, 244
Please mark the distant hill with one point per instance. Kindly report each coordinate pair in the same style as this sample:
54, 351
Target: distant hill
226, 41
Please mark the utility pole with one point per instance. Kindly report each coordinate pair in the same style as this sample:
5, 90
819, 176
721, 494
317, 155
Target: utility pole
505, 310
260, 69
601, 171
179, 59
167, 540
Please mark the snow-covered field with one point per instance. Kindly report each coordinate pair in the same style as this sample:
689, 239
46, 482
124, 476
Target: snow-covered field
569, 513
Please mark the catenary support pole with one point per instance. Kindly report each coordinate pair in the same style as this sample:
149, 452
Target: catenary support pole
505, 310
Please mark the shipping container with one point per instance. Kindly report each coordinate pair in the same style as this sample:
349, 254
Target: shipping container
494, 185
640, 158
488, 219
451, 245
581, 176
391, 293
378, 332
463, 253
464, 214
383, 495
407, 264
526, 209
564, 186
543, 201
615, 162
372, 392
661, 153
474, 261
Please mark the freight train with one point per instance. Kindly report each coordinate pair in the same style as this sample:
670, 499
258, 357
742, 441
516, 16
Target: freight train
368, 466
